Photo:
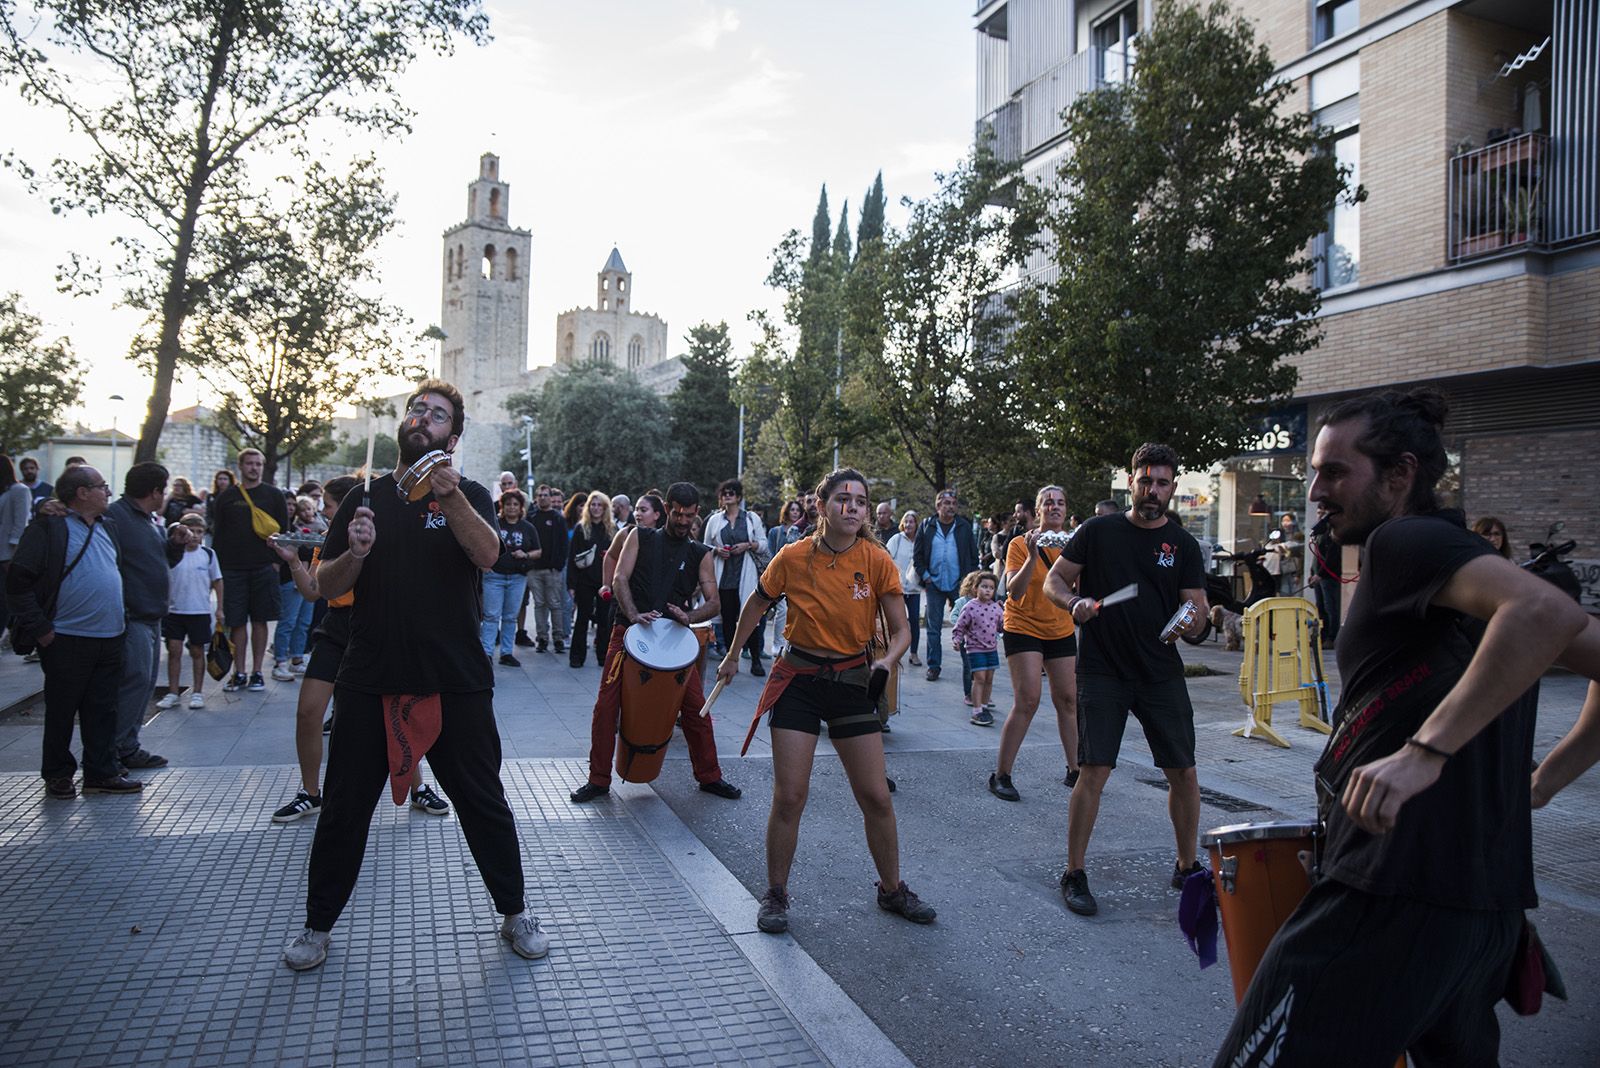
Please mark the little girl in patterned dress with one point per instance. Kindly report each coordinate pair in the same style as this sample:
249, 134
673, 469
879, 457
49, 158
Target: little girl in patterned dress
977, 634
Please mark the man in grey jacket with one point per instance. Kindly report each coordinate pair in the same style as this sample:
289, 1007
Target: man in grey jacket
145, 591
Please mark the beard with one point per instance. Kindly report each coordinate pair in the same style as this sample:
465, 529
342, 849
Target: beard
1148, 507
412, 445
1354, 525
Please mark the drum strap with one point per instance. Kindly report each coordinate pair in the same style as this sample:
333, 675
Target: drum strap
850, 670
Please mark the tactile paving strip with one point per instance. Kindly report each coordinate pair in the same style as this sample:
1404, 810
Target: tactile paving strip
638, 972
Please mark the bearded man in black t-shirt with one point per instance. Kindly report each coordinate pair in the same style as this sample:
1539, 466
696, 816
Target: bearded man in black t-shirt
1123, 665
414, 657
1406, 938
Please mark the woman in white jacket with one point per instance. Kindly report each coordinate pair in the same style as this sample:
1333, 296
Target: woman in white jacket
16, 509
902, 546
739, 551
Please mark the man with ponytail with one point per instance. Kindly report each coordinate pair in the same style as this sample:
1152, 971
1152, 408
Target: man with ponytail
1426, 864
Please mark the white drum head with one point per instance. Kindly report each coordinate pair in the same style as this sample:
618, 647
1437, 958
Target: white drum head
665, 644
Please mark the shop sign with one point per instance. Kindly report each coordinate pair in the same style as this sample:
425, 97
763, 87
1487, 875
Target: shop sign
1278, 433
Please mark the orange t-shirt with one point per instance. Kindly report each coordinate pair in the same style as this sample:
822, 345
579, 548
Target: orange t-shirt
344, 600
1033, 613
833, 599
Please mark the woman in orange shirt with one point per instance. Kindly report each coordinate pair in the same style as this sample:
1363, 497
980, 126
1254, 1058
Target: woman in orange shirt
837, 582
1039, 635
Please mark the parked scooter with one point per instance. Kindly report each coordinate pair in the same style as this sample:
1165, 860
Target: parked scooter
1259, 583
1546, 562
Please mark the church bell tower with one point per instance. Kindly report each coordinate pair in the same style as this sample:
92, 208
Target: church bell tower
484, 310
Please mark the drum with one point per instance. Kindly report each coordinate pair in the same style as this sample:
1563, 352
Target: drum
413, 482
657, 659
1260, 880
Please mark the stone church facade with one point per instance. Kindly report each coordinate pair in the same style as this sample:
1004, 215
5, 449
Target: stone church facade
612, 331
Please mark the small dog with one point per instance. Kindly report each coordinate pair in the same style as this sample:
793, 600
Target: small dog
1231, 626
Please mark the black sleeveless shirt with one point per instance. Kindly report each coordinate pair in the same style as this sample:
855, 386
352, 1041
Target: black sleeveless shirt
666, 570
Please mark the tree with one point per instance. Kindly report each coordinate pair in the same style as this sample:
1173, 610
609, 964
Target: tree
1185, 210
598, 428
919, 316
841, 239
820, 229
297, 335
705, 418
177, 100
38, 380
871, 226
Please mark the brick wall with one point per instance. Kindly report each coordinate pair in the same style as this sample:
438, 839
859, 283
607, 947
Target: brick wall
1574, 318
1531, 480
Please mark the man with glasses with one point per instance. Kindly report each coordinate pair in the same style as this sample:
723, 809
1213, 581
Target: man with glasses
414, 668
64, 588
546, 587
946, 550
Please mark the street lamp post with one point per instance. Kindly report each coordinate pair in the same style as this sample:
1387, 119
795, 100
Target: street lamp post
113, 480
527, 449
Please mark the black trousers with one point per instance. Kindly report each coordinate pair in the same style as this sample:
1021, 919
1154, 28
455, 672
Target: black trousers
81, 677
592, 612
731, 607
465, 760
1354, 979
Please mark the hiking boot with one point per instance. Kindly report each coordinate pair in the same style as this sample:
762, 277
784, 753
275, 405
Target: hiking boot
423, 799
281, 672
1072, 778
119, 785
235, 684
257, 683
904, 903
60, 789
523, 640
309, 949
588, 792
169, 701
302, 805
982, 718
1075, 891
1000, 786
1180, 874
144, 759
932, 674
522, 931
773, 915
722, 788
507, 660
197, 700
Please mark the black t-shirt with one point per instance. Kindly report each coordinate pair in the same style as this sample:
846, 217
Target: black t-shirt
1466, 841
666, 570
419, 600
552, 528
233, 535
1124, 640
518, 536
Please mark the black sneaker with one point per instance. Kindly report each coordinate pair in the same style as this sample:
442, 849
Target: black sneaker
120, 785
144, 759
982, 718
257, 683
773, 915
235, 684
588, 792
1072, 778
1075, 890
327, 725
561, 646
523, 640
903, 902
507, 660
541, 646
303, 805
423, 799
756, 670
1180, 874
1000, 786
722, 788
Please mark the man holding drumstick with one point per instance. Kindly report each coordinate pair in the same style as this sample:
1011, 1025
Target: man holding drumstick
657, 575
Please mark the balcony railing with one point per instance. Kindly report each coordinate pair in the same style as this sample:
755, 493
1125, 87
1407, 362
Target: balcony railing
1497, 197
1032, 118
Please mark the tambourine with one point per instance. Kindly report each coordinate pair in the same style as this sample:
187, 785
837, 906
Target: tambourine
300, 539
1053, 539
413, 482
1180, 622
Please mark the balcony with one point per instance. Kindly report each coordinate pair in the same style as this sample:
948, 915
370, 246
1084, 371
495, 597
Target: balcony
1497, 198
1031, 119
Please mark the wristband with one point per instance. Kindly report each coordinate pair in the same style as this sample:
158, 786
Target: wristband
1429, 749
1072, 605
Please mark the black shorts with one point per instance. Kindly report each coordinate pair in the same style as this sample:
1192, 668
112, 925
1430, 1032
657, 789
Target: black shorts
1052, 648
196, 629
1162, 709
252, 595
328, 643
807, 701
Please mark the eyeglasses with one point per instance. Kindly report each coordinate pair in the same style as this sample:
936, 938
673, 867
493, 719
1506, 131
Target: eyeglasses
729, 493
436, 416
102, 485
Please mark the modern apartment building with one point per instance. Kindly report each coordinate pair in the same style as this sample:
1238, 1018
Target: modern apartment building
1473, 264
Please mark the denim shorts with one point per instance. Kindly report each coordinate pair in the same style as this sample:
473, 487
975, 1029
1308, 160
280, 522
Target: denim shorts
982, 660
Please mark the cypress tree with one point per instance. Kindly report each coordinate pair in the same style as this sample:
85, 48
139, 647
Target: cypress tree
841, 237
821, 225
871, 227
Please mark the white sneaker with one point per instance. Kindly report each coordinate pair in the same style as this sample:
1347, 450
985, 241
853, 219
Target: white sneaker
522, 932
297, 666
197, 700
281, 672
309, 949
169, 701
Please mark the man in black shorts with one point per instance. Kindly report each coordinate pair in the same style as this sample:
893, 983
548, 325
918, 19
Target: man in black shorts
414, 673
1407, 936
1123, 665
251, 594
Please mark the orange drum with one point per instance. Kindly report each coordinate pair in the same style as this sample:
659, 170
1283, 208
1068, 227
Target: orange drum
1260, 880
656, 661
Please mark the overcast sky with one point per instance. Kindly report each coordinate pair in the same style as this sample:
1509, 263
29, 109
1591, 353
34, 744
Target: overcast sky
690, 134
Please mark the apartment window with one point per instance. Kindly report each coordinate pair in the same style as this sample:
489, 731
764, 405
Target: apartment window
1336, 106
1333, 18
1113, 37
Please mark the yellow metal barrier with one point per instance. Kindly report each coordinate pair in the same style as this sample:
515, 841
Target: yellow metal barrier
1282, 662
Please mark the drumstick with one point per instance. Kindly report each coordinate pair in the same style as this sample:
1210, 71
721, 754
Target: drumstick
705, 709
372, 437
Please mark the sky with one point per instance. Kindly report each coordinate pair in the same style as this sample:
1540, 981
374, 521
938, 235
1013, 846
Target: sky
690, 134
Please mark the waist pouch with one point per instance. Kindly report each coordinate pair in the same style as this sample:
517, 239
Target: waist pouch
850, 670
